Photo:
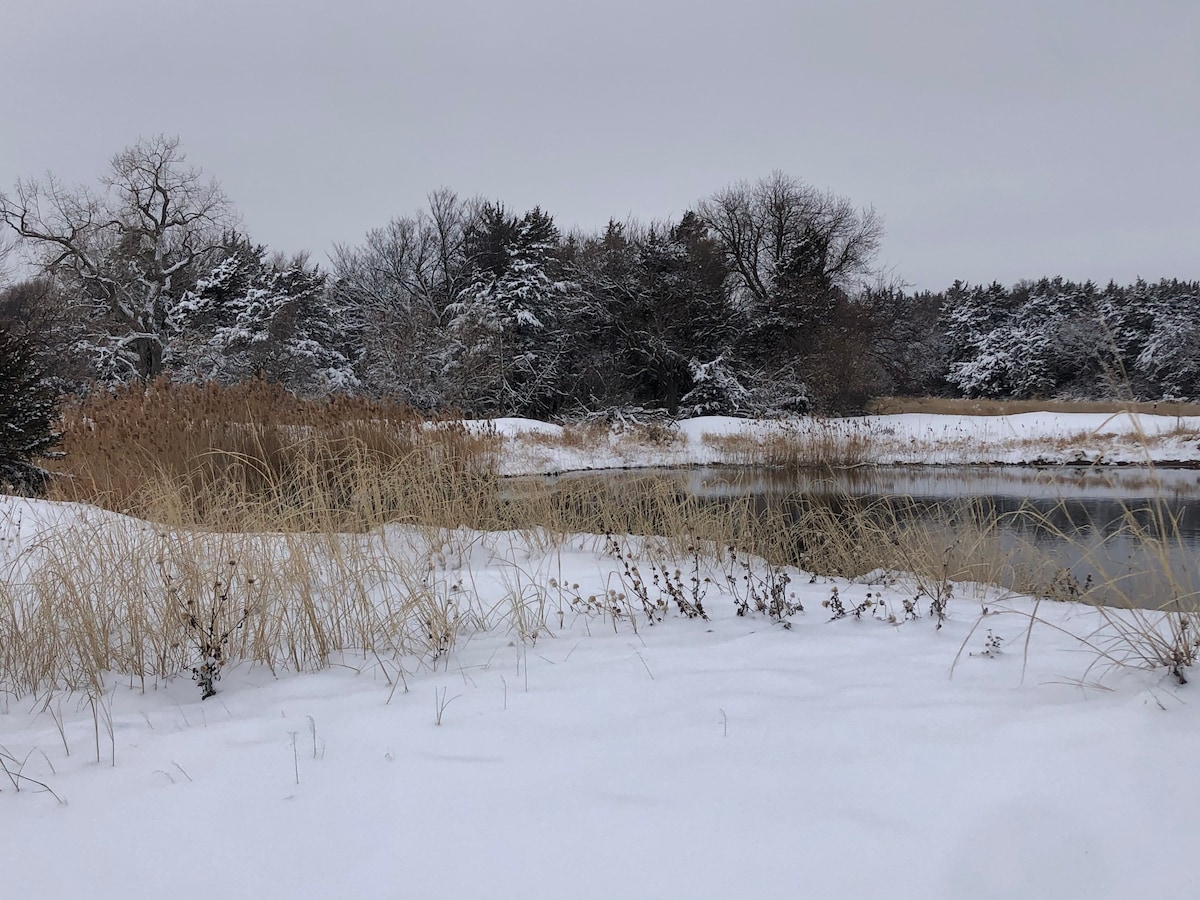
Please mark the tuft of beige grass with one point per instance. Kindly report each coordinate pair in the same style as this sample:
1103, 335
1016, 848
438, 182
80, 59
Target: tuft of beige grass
809, 442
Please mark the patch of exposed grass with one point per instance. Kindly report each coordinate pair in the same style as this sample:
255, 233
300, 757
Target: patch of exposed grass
808, 442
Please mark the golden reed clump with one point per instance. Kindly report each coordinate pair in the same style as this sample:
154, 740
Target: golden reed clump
254, 456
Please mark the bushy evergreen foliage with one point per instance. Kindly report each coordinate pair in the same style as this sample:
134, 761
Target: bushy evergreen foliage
1162, 324
247, 317
28, 414
673, 321
1059, 338
508, 345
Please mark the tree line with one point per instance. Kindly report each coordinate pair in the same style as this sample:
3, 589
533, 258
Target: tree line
766, 297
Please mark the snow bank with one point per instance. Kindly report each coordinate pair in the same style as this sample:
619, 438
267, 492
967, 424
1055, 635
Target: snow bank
723, 758
905, 439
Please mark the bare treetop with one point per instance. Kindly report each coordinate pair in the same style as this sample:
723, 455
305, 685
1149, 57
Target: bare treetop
781, 228
127, 252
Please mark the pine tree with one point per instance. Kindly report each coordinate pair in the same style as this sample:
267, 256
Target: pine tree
1169, 357
979, 340
1062, 351
247, 316
603, 267
676, 325
509, 347
28, 415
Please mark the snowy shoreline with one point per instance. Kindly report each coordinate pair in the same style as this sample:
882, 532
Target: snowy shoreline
1028, 439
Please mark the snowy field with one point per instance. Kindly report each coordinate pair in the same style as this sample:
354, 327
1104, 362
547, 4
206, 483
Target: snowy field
603, 756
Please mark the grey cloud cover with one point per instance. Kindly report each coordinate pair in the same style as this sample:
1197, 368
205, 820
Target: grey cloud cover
999, 140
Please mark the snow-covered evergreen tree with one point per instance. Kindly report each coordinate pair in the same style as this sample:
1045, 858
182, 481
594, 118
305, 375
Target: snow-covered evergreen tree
656, 313
248, 316
677, 325
1037, 340
716, 389
1063, 353
979, 359
28, 414
508, 347
1056, 337
1168, 358
603, 267
1127, 313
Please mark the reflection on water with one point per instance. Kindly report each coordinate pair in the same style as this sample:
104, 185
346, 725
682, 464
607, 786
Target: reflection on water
1117, 526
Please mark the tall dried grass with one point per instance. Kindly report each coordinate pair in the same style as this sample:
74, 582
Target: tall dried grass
254, 456
108, 595
809, 443
286, 533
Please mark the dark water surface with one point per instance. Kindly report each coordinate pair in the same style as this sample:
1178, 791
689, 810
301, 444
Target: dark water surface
1121, 526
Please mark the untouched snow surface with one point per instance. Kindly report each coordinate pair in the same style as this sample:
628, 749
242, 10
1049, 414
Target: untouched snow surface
730, 758
911, 438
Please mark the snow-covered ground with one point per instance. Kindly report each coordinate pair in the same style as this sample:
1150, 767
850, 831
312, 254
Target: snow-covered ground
724, 759
727, 758
911, 438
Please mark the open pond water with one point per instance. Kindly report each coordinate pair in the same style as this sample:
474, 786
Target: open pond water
1059, 521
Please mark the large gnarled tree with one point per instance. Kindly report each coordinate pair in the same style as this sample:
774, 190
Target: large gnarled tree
125, 255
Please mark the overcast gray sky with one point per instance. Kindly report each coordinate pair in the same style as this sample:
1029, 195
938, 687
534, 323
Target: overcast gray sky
1000, 139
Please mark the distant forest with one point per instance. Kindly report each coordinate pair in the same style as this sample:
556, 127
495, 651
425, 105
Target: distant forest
765, 298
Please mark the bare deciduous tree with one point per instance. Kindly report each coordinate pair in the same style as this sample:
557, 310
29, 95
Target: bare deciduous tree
780, 229
797, 257
400, 283
6, 252
127, 253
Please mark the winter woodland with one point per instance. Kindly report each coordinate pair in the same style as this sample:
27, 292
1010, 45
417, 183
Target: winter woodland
765, 298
